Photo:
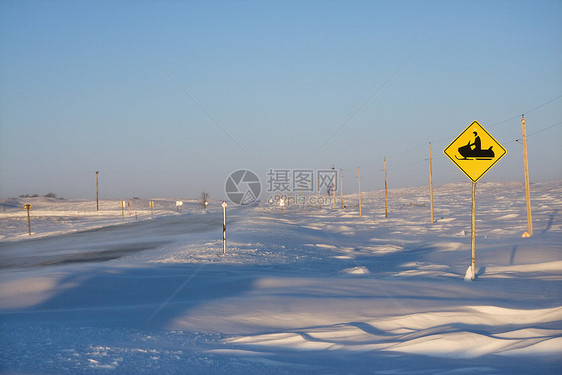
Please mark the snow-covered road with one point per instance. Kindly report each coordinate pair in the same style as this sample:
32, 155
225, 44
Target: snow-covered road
103, 243
313, 291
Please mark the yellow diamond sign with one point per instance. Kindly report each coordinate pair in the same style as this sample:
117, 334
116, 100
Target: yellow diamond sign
475, 151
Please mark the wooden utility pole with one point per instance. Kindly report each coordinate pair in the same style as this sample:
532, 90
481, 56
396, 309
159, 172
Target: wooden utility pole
527, 189
431, 184
309, 190
385, 192
341, 188
97, 193
359, 176
333, 197
318, 182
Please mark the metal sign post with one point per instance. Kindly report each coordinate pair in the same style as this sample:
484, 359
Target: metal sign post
178, 205
224, 227
474, 151
28, 207
473, 233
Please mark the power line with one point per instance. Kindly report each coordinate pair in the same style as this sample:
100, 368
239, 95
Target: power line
530, 110
438, 158
490, 126
541, 130
537, 132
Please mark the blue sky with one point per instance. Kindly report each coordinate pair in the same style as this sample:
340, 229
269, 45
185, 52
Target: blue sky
167, 98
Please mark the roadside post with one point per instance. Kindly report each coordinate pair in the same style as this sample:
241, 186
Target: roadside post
526, 167
309, 189
282, 204
97, 193
359, 177
318, 183
28, 207
151, 205
123, 209
333, 187
385, 192
474, 151
341, 188
431, 184
224, 227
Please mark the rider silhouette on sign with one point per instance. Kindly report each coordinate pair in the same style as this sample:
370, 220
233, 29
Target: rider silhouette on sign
477, 145
473, 151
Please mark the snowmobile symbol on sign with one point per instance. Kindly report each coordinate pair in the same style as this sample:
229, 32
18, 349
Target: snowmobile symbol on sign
474, 150
467, 153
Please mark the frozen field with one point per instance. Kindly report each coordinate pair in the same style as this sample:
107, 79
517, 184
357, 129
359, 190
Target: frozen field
315, 291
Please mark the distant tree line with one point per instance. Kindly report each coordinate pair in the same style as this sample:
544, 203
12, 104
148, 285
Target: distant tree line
48, 195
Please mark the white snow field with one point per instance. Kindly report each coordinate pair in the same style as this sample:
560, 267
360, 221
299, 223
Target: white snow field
315, 291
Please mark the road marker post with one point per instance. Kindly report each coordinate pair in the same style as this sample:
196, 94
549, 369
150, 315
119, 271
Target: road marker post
28, 207
224, 227
97, 193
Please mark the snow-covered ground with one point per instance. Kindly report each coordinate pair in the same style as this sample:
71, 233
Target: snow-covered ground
315, 291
